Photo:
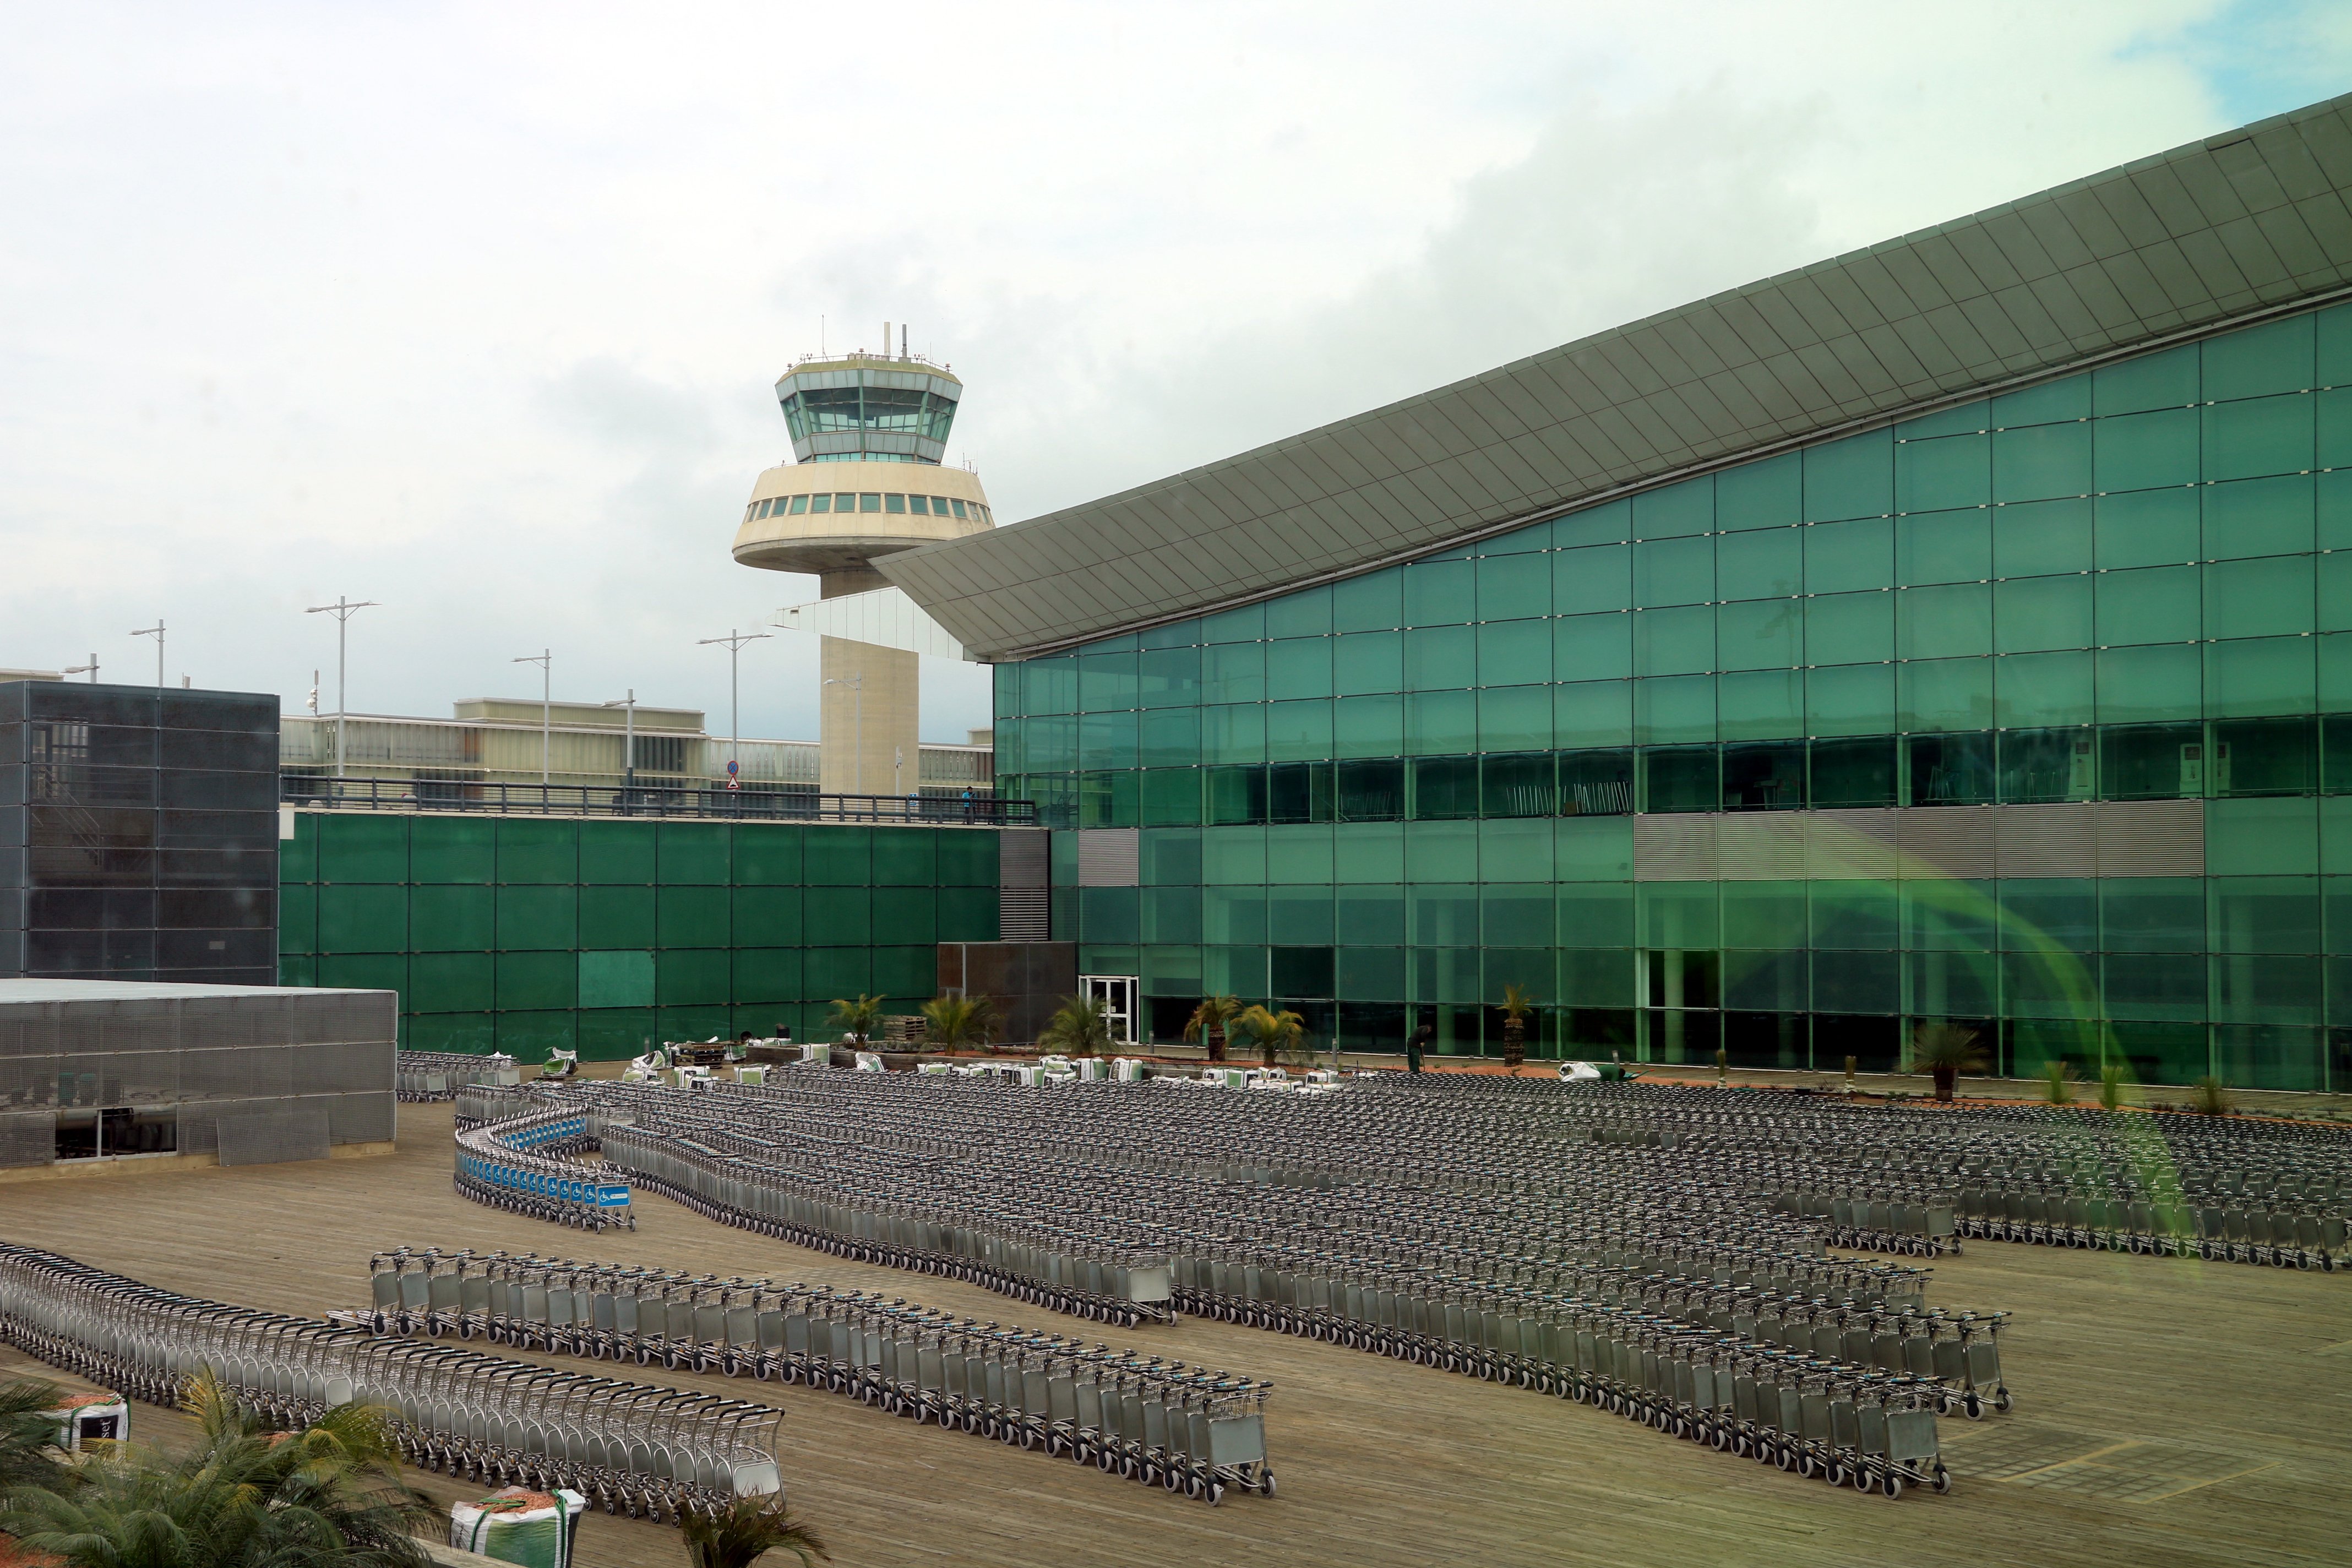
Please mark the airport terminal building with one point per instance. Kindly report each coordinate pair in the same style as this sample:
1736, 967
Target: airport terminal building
1957, 630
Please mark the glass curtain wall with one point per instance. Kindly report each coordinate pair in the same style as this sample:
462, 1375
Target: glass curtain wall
1391, 797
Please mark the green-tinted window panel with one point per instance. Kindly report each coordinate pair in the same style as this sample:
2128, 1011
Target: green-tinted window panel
1854, 914
1374, 602
364, 971
691, 977
2332, 415
1946, 694
2272, 1056
838, 856
838, 917
1299, 731
453, 918
1368, 663
1368, 726
1514, 653
2256, 676
2155, 604
2167, 379
1950, 914
2154, 985
2153, 913
2336, 686
1441, 851
624, 852
1768, 493
1843, 557
1765, 982
1596, 577
1944, 547
1603, 524
903, 915
1297, 853
624, 916
1170, 797
966, 859
1246, 624
1233, 915
2261, 838
2039, 461
1949, 471
1596, 914
1518, 916
1232, 855
533, 918
363, 848
1758, 633
1855, 772
1107, 741
765, 856
692, 917
2042, 690
1109, 800
530, 1036
1673, 572
1298, 667
968, 914
1107, 914
1437, 593
1440, 723
1171, 855
2049, 913
2040, 538
298, 918
1371, 974
1849, 629
2034, 614
1594, 850
1681, 778
693, 852
363, 917
1761, 704
1436, 658
538, 981
1170, 738
463, 1033
910, 976
1107, 679
1303, 614
1515, 719
1673, 642
1512, 587
1852, 478
2250, 362
1368, 852
452, 849
298, 857
1052, 686
1679, 915
1173, 633
1050, 746
1764, 914
2335, 591
2067, 397
1596, 977
1516, 849
760, 975
453, 982
1007, 683
1168, 677
2147, 451
1593, 713
1172, 971
1954, 621
1171, 914
1233, 672
2061, 986
538, 851
1302, 917
1369, 915
703, 1022
1767, 563
1957, 420
2260, 517
2265, 596
1676, 509
760, 917
2272, 989
1666, 711
2264, 914
2333, 329
2139, 684
1441, 914
1596, 647
907, 856
1850, 699
2258, 437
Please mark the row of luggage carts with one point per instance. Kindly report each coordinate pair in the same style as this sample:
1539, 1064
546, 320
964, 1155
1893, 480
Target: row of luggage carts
652, 1452
419, 1076
1153, 1421
519, 1165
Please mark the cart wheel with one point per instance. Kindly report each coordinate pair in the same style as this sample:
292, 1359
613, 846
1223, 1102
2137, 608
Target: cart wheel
1972, 1404
1891, 1484
2002, 1402
1943, 1481
1172, 1478
1105, 1461
1216, 1493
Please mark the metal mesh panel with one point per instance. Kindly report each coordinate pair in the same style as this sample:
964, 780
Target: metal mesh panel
28, 1139
360, 1118
343, 1067
274, 1137
26, 1081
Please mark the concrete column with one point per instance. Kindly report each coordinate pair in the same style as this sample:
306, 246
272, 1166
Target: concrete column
862, 725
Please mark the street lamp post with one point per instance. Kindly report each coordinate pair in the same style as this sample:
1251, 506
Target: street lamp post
343, 610
856, 683
734, 641
545, 659
90, 670
628, 742
155, 631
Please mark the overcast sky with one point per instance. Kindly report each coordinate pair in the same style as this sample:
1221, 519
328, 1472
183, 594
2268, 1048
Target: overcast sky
478, 310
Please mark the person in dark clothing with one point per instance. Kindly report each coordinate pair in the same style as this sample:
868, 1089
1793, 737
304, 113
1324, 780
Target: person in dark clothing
1417, 1043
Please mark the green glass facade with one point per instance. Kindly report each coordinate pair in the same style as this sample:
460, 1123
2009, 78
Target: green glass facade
1383, 799
519, 934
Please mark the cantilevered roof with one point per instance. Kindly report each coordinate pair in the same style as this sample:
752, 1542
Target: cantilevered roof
2246, 222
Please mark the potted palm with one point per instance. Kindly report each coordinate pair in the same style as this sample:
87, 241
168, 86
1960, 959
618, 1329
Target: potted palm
1944, 1051
856, 1018
1516, 1005
951, 1022
1080, 1029
1275, 1032
1210, 1021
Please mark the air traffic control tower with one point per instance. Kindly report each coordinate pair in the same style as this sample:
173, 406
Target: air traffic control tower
869, 433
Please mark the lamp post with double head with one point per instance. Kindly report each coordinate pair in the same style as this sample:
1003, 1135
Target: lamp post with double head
343, 610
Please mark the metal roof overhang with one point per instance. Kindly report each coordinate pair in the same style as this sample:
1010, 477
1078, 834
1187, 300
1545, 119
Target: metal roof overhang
2249, 223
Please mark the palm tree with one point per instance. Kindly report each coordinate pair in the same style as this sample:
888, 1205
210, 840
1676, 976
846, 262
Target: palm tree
952, 1021
1081, 1028
1274, 1032
1945, 1051
857, 1019
1210, 1021
29, 1455
1516, 1005
747, 1529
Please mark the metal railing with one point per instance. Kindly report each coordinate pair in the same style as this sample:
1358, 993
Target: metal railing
651, 800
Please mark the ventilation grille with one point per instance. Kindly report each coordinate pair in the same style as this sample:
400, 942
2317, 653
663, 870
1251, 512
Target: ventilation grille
1023, 915
1110, 857
274, 1137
